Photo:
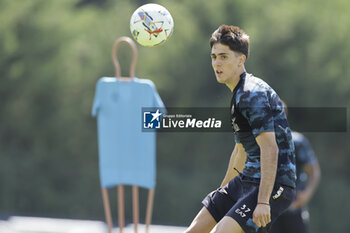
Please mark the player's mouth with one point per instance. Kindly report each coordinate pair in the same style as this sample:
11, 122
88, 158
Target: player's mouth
218, 72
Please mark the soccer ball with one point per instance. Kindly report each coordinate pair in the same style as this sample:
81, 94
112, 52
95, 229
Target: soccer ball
151, 25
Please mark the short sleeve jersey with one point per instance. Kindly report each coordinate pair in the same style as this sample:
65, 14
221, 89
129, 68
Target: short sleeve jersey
304, 155
256, 108
126, 153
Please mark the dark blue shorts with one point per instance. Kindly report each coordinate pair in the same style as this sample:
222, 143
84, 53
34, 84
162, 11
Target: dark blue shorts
238, 200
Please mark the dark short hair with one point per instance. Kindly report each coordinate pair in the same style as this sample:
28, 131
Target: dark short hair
232, 36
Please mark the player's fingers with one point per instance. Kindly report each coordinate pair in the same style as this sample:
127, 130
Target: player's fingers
269, 219
259, 221
263, 221
256, 220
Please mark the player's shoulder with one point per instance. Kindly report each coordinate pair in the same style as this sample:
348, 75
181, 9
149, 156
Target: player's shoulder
304, 151
253, 89
254, 84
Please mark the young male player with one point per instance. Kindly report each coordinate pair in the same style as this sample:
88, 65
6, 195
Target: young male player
296, 218
260, 179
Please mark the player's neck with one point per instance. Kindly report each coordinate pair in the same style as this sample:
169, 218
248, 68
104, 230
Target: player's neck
235, 80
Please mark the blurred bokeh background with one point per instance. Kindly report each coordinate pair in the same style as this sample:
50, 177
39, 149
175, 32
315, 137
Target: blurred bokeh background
53, 52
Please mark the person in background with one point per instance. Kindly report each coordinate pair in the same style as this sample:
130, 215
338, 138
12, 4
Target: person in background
296, 218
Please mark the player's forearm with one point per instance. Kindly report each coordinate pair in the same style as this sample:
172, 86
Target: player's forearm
314, 174
269, 159
230, 173
236, 164
229, 176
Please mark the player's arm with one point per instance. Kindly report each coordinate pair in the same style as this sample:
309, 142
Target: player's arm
268, 159
314, 175
237, 161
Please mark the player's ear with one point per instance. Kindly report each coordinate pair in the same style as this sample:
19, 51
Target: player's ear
242, 59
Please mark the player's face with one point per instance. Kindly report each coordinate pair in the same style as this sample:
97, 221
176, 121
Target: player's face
226, 63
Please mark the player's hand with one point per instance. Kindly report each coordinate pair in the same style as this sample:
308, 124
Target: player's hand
262, 215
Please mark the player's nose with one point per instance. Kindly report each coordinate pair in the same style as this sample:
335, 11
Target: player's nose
216, 63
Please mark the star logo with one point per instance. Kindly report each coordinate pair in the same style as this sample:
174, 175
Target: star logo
152, 119
156, 115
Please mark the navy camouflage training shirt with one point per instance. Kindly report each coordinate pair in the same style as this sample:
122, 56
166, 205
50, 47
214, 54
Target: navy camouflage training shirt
256, 108
304, 154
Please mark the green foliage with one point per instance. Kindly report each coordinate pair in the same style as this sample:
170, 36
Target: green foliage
53, 52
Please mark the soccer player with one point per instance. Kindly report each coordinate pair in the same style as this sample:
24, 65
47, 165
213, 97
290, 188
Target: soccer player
260, 180
296, 218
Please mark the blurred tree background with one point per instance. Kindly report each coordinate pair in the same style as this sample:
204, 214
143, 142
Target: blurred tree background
53, 53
